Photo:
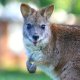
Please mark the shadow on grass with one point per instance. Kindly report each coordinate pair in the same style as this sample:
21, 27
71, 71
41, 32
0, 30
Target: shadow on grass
20, 75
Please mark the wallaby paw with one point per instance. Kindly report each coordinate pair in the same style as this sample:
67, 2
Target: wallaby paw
31, 67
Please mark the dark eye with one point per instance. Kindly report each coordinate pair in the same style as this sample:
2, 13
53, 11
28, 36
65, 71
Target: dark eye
43, 26
29, 26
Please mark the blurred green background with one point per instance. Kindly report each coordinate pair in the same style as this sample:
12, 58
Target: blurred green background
72, 6
12, 53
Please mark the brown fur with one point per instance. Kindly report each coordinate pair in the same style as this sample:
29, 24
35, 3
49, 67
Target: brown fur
66, 39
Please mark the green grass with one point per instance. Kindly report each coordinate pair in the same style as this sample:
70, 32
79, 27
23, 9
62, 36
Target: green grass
18, 75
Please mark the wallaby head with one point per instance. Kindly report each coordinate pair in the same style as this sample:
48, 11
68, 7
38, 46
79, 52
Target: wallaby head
36, 30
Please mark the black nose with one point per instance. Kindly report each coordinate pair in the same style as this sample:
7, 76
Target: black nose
35, 37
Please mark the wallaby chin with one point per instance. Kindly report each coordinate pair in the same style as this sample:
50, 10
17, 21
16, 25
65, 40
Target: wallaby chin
58, 52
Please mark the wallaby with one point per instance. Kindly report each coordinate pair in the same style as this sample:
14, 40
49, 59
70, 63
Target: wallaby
53, 47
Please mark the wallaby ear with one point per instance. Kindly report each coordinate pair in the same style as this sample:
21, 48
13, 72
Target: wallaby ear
26, 10
47, 11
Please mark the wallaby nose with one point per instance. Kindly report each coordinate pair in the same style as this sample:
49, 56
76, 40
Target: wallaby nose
35, 37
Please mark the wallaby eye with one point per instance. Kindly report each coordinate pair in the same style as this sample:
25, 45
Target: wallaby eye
43, 26
29, 26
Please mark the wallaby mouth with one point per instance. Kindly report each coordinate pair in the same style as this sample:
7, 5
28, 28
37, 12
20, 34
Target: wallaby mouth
35, 43
35, 38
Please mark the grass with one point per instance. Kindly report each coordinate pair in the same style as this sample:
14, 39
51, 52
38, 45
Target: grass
18, 75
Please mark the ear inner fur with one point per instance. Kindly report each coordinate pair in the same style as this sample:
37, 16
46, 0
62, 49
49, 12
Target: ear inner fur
26, 10
47, 11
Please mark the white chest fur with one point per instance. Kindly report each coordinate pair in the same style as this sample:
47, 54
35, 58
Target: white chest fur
49, 72
38, 56
35, 53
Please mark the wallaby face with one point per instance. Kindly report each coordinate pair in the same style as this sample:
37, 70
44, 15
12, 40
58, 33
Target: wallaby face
36, 28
